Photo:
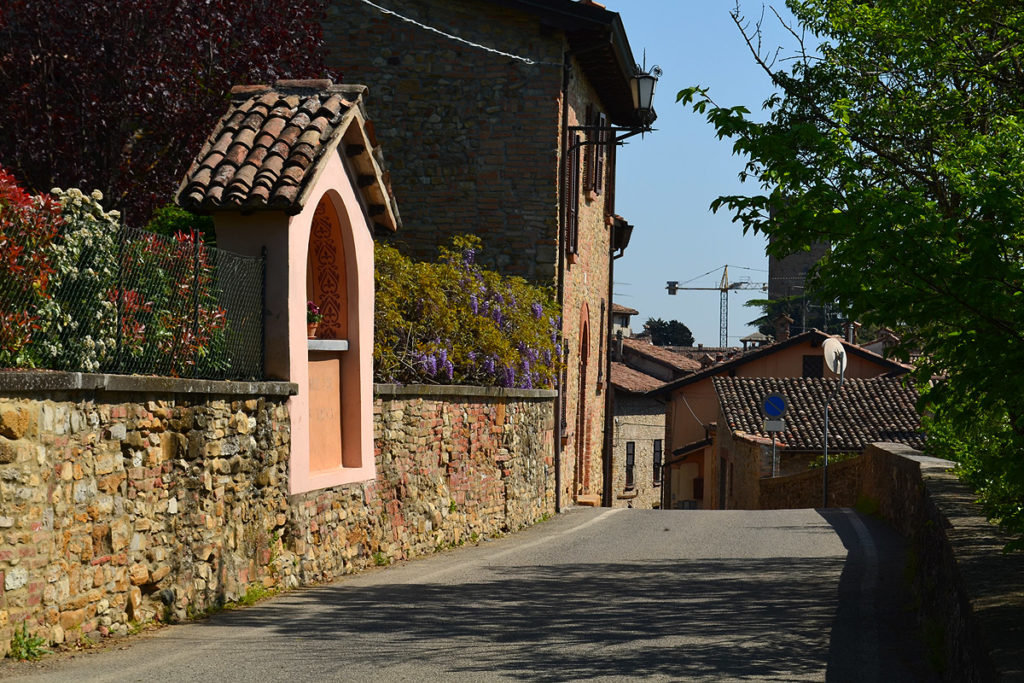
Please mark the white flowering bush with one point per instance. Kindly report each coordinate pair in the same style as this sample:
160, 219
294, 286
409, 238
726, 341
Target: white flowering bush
78, 322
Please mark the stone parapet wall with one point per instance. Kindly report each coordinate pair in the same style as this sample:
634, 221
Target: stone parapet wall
161, 500
970, 593
804, 490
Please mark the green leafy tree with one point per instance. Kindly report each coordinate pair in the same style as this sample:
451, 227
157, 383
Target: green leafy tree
898, 139
671, 333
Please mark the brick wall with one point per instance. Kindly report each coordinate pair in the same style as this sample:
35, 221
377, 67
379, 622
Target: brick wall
472, 141
470, 137
586, 281
165, 500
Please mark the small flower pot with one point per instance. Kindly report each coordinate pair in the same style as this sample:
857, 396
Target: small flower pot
311, 330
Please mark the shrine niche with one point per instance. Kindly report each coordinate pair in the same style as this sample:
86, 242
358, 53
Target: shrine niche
293, 171
326, 284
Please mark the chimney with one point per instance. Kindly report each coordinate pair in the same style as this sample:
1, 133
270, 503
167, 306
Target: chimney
782, 324
850, 328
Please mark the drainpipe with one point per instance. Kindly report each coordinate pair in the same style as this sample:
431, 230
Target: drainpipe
609, 402
560, 287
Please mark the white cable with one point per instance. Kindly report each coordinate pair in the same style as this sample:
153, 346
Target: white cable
525, 60
687, 404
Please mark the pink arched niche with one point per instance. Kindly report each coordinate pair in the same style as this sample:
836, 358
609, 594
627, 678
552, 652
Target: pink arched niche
331, 250
326, 272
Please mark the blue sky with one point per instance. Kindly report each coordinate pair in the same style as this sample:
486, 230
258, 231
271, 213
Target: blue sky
666, 181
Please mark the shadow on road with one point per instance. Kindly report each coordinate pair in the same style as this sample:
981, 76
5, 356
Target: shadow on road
758, 618
875, 635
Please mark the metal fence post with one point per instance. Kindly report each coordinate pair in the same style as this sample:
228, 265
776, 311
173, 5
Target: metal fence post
263, 312
119, 333
195, 302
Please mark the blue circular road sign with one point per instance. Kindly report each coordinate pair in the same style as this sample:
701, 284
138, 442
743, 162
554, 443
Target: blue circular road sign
774, 406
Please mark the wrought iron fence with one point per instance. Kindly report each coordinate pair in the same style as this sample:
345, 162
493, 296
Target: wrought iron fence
134, 302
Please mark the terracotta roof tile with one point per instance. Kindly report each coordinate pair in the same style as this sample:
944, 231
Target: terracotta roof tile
626, 378
619, 308
662, 355
261, 152
865, 410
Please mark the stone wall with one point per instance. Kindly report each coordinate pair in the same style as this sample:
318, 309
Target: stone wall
804, 490
124, 500
969, 593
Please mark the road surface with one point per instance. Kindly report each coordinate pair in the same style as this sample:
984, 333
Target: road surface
593, 594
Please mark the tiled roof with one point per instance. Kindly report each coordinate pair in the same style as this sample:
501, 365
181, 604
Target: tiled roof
816, 336
619, 308
662, 355
865, 410
626, 378
265, 151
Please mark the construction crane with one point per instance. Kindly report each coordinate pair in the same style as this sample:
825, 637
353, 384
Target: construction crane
724, 287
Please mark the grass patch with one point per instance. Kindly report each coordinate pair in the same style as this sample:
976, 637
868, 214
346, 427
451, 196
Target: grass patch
25, 646
254, 592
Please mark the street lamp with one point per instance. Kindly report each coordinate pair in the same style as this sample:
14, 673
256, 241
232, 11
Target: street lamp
642, 85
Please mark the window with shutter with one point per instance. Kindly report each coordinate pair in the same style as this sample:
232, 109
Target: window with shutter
589, 151
572, 197
630, 462
609, 195
657, 461
599, 153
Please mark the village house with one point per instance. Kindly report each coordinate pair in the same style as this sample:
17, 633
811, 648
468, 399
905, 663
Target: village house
862, 411
638, 440
621, 316
501, 119
692, 480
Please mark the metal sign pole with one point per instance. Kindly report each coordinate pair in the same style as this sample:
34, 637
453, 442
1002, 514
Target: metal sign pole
775, 459
824, 485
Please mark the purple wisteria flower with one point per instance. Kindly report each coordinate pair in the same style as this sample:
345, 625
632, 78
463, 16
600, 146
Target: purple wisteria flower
474, 305
488, 366
538, 310
468, 256
429, 362
508, 376
449, 369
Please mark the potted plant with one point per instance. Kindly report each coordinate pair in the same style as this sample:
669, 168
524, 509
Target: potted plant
313, 318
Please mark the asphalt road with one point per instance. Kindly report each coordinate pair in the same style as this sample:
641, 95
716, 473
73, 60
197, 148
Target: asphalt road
593, 594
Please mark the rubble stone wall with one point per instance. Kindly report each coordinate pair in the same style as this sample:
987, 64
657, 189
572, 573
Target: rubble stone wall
124, 500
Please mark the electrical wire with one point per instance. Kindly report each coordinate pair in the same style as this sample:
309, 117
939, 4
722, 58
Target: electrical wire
524, 60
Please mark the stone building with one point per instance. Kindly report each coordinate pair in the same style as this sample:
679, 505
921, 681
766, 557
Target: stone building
638, 437
497, 116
